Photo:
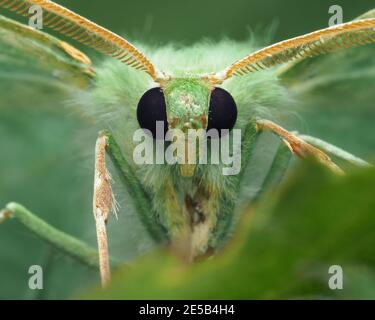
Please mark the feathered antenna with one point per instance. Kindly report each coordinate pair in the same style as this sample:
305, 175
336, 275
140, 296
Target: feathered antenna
84, 31
320, 42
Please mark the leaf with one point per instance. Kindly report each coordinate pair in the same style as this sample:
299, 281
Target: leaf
284, 248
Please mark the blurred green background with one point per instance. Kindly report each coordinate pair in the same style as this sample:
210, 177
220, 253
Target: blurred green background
46, 151
193, 20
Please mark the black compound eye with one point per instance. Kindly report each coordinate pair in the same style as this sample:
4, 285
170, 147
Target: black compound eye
152, 108
222, 113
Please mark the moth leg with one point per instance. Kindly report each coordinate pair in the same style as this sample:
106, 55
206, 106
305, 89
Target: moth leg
102, 205
298, 146
60, 240
336, 151
129, 179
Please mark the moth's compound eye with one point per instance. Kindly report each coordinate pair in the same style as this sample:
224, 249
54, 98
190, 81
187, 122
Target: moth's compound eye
222, 113
152, 108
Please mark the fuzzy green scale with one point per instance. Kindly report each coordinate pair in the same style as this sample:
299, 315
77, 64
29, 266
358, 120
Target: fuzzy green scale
187, 101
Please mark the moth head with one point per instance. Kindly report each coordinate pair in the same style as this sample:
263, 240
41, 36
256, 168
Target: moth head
186, 105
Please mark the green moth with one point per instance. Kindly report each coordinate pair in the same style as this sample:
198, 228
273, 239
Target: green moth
189, 206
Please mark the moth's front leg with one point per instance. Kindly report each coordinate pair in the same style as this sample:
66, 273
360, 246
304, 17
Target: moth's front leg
102, 205
298, 146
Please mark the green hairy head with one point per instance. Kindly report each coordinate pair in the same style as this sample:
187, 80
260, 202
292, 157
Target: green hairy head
187, 101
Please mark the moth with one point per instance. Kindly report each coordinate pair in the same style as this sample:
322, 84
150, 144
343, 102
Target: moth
188, 206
